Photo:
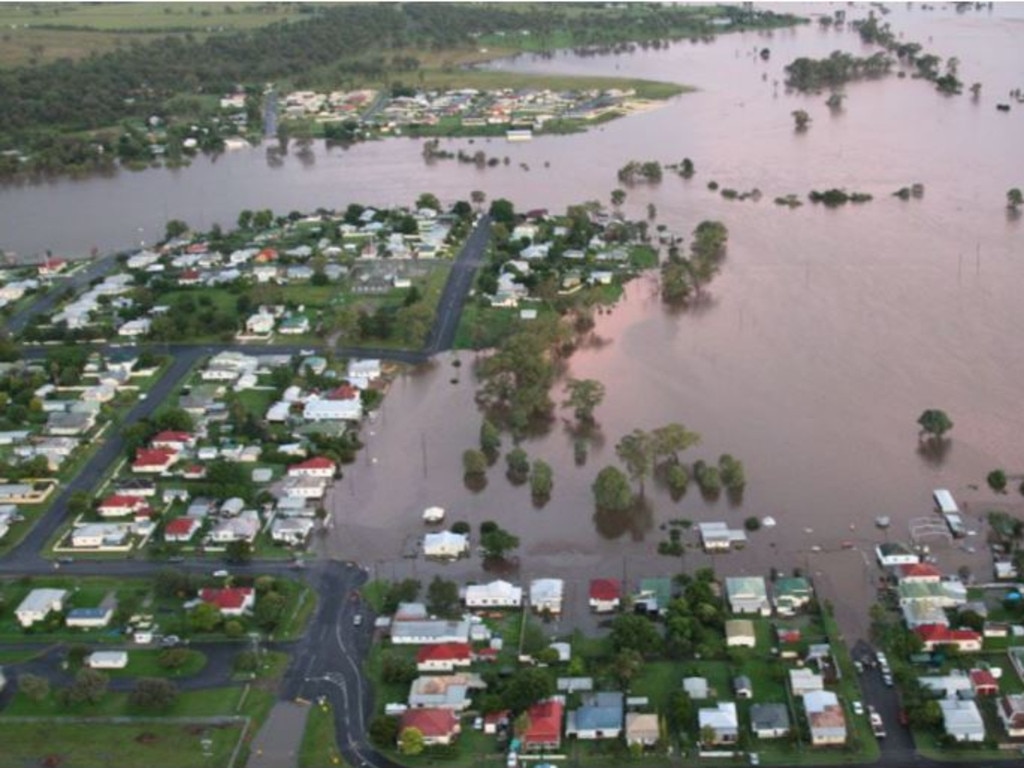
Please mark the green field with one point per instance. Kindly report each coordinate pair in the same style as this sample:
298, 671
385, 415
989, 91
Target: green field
101, 745
318, 747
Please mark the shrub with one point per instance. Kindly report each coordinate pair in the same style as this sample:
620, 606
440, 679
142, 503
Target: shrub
997, 480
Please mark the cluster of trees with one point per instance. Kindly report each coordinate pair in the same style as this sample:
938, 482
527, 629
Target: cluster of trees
833, 198
915, 190
635, 172
267, 613
683, 278
90, 687
926, 64
807, 74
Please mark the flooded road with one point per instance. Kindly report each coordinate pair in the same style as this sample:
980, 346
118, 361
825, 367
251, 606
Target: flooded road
827, 332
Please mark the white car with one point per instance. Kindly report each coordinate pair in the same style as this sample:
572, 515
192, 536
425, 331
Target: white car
222, 574
357, 619
858, 708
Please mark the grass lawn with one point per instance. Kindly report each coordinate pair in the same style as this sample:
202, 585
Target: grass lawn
301, 604
483, 327
318, 746
146, 664
100, 745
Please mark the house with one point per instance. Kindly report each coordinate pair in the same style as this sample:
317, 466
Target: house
97, 535
120, 506
740, 633
412, 626
189, 277
546, 595
742, 687
769, 721
791, 594
170, 440
544, 729
605, 595
803, 681
935, 635
444, 657
294, 325
984, 683
69, 423
653, 596
599, 716
444, 691
291, 530
438, 726
962, 720
722, 720
153, 461
37, 605
304, 487
571, 684
719, 537
445, 545
917, 613
245, 527
495, 721
1011, 712
90, 618
944, 594
825, 717
642, 729
892, 553
230, 601
954, 685
917, 572
497, 594
138, 327
361, 372
107, 660
747, 594
696, 687
326, 409
318, 466
181, 529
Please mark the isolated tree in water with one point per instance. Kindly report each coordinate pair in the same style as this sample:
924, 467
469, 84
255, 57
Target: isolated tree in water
801, 119
934, 423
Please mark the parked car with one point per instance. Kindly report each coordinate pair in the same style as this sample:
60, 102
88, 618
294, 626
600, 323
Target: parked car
170, 640
357, 619
858, 708
221, 574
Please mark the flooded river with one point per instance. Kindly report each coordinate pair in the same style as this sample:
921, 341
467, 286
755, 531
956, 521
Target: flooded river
827, 333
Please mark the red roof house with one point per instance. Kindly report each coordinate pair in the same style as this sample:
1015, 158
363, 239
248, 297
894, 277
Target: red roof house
266, 255
120, 506
189, 277
984, 683
605, 594
486, 655
51, 267
194, 472
495, 720
438, 726
318, 466
344, 392
230, 601
919, 572
443, 657
935, 635
545, 725
181, 529
149, 460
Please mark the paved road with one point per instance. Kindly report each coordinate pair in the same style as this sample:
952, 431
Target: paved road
46, 303
456, 290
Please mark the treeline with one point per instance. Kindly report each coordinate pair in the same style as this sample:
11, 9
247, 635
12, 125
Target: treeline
806, 74
684, 278
927, 64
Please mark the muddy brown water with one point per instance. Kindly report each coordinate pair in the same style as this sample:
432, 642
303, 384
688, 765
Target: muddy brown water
826, 334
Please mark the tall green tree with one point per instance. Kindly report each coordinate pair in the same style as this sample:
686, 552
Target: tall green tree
584, 395
611, 490
934, 423
636, 451
443, 597
498, 543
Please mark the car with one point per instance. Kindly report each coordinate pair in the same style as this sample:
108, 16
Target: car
887, 679
478, 724
882, 658
858, 666
176, 559
170, 640
755, 759
858, 708
357, 619
65, 560
221, 574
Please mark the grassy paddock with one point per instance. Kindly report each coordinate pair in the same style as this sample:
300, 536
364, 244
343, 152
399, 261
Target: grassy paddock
319, 744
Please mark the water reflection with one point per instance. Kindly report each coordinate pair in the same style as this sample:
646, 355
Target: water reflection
636, 521
934, 450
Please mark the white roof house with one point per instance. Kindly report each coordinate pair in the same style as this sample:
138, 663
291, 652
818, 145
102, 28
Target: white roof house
317, 409
723, 720
825, 717
804, 681
962, 720
546, 595
291, 530
37, 605
445, 544
719, 537
107, 660
497, 594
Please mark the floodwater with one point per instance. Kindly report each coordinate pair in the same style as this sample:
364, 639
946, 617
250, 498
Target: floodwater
825, 336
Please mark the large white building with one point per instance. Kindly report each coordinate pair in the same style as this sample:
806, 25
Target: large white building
497, 594
37, 605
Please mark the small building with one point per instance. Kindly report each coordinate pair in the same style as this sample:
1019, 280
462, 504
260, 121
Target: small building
1011, 712
962, 720
444, 657
747, 594
107, 660
918, 572
152, 461
723, 722
445, 545
546, 595
719, 537
599, 716
90, 618
740, 633
181, 529
438, 726
934, 636
653, 596
120, 506
893, 553
742, 687
230, 601
428, 631
497, 594
642, 729
696, 688
769, 721
984, 683
293, 531
544, 729
38, 604
444, 691
317, 466
605, 595
825, 717
803, 681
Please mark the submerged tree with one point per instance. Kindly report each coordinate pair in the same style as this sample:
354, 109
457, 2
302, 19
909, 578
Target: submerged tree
584, 395
934, 423
611, 490
1014, 198
801, 119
